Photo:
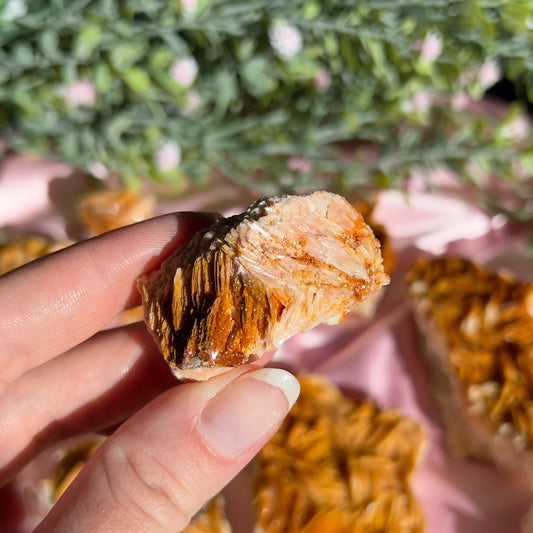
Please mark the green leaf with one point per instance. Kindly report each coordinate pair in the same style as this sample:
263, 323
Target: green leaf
300, 69
103, 78
137, 79
11, 10
348, 53
331, 44
256, 75
23, 54
160, 59
226, 90
69, 146
516, 16
87, 41
124, 56
311, 10
376, 52
245, 49
48, 43
526, 160
152, 134
117, 126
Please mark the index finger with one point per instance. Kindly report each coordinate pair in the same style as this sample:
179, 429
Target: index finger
53, 304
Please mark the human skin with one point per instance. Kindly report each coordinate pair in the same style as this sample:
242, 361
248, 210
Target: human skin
64, 371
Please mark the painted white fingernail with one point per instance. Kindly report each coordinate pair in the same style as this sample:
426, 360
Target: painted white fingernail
248, 409
279, 378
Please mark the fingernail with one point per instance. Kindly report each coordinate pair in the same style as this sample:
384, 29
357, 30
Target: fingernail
248, 409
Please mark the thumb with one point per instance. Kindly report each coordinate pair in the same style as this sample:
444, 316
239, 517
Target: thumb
165, 462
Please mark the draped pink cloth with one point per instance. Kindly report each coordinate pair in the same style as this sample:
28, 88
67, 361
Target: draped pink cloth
378, 356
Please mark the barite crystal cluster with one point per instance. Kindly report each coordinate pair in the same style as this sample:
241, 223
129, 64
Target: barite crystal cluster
478, 327
339, 466
19, 251
104, 210
211, 518
249, 282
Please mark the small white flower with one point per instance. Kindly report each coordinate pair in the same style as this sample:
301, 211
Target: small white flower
489, 73
460, 101
431, 47
193, 101
285, 39
519, 171
189, 7
518, 129
13, 9
184, 71
420, 102
300, 164
98, 170
285, 180
467, 77
168, 156
80, 93
322, 80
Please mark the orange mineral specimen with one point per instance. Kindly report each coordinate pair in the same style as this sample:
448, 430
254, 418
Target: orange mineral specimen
105, 210
478, 330
249, 282
339, 466
22, 250
69, 465
211, 518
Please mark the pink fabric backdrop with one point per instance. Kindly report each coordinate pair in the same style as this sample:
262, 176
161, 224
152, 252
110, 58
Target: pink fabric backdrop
378, 357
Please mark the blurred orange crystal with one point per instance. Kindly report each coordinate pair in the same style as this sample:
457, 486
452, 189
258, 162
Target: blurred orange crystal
22, 250
105, 210
336, 466
478, 327
210, 519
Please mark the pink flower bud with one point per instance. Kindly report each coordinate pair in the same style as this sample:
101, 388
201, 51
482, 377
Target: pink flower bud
184, 71
430, 48
80, 93
300, 164
188, 7
98, 170
193, 101
489, 73
460, 101
168, 156
322, 80
285, 39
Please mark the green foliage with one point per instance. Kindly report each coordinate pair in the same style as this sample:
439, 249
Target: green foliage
243, 86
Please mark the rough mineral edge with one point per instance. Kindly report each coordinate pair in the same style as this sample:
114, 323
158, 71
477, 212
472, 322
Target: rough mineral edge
249, 282
339, 466
477, 327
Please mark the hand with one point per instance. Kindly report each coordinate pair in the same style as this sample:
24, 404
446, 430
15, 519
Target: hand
64, 372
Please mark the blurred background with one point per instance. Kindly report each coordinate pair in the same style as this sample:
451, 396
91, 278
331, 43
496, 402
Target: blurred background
417, 111
274, 96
